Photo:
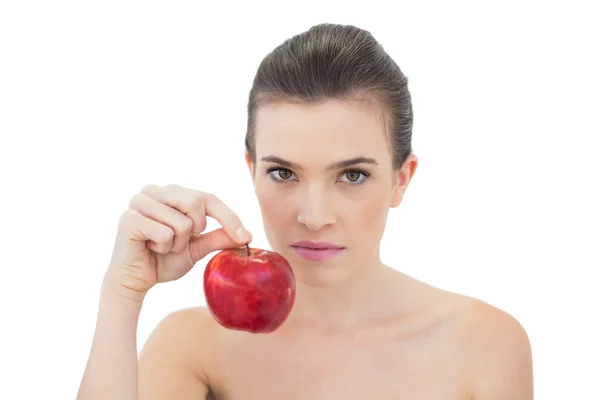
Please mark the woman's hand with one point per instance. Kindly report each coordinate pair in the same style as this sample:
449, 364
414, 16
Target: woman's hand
160, 237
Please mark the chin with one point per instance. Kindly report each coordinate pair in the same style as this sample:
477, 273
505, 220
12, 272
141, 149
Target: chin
320, 277
319, 274
314, 281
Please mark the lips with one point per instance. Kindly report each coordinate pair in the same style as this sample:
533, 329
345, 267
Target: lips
317, 251
308, 244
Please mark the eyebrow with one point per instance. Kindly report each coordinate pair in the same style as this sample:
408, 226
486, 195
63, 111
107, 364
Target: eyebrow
334, 166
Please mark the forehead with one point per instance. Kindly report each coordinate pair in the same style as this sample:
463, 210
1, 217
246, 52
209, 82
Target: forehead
326, 131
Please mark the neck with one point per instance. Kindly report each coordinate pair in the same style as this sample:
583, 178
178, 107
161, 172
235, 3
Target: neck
351, 304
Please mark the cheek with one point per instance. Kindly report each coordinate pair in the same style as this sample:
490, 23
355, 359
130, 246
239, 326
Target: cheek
275, 207
370, 215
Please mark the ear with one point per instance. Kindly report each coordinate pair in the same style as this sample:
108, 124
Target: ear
250, 165
402, 178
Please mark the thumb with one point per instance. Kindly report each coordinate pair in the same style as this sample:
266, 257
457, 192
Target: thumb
203, 244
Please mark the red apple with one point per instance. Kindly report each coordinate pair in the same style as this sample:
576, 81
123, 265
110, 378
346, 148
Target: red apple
249, 289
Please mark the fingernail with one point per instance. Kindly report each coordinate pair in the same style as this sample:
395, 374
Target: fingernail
241, 234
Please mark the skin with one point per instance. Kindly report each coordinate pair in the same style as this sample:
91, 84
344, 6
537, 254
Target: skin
359, 328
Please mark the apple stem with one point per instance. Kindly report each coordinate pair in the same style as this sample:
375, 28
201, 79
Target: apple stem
248, 249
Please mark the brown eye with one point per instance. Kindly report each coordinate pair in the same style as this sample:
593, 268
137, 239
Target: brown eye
284, 174
353, 176
280, 175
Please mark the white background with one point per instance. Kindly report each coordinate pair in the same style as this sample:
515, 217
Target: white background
98, 99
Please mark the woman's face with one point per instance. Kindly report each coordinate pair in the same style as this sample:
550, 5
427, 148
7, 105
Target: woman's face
324, 173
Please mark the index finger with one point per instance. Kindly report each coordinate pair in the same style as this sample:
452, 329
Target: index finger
217, 209
197, 205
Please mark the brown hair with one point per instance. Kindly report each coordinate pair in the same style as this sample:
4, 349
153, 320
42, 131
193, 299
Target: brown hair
332, 61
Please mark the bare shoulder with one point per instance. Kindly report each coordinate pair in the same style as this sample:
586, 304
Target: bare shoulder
494, 347
175, 358
498, 352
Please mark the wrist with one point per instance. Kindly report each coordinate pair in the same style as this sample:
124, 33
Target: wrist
115, 292
117, 309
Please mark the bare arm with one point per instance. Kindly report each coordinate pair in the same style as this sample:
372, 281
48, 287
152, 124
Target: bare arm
167, 367
111, 370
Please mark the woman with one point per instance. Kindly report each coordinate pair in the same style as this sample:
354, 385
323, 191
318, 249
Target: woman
329, 151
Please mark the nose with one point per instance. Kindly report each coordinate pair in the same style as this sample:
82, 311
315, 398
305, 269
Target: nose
315, 209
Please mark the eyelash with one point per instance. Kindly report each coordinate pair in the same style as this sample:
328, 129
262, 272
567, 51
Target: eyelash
279, 180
